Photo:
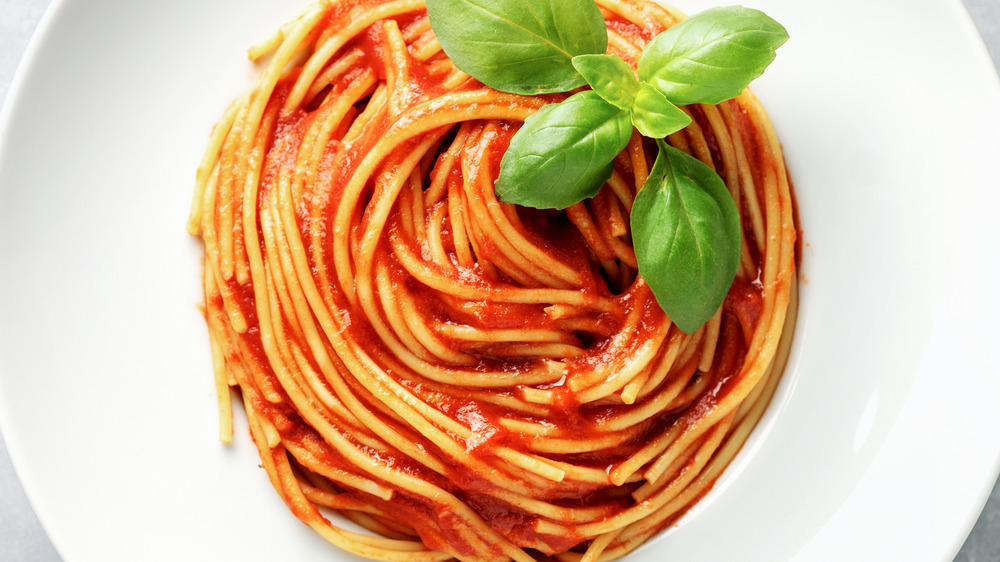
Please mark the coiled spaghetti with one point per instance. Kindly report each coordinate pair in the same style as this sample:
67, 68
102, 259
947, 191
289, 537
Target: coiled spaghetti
462, 377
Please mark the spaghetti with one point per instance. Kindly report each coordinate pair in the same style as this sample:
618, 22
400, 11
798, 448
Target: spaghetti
465, 378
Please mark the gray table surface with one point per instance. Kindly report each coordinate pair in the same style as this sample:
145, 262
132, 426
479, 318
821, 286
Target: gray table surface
22, 538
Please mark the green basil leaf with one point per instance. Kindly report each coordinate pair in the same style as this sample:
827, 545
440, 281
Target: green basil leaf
654, 115
711, 56
686, 234
519, 46
609, 76
563, 153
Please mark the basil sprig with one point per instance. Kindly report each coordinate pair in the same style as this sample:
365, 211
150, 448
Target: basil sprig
685, 226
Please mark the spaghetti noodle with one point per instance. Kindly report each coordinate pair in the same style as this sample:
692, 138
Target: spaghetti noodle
465, 378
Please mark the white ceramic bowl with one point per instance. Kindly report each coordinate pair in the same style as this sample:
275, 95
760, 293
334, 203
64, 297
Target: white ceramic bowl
882, 442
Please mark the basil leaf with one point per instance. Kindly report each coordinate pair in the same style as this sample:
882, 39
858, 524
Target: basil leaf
711, 56
519, 46
686, 234
654, 115
564, 152
609, 76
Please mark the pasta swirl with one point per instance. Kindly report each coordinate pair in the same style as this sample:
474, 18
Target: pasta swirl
466, 378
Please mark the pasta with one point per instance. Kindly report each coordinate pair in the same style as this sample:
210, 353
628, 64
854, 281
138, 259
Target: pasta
461, 377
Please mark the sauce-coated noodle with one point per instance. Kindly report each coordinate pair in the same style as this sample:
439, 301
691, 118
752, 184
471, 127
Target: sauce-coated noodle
462, 377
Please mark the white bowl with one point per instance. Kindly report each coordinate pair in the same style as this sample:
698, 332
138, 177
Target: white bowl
882, 442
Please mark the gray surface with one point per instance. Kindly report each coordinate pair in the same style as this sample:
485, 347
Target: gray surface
23, 540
